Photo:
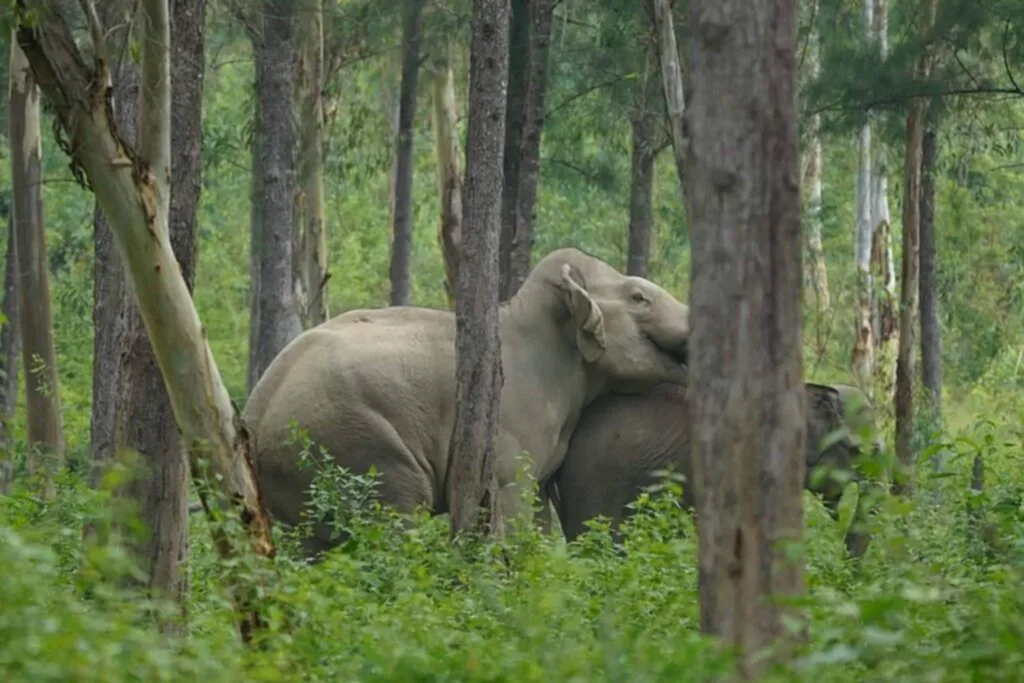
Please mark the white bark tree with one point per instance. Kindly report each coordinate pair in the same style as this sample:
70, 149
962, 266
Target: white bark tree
133, 188
864, 347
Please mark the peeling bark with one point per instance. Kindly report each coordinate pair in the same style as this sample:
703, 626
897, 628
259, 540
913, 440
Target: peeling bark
472, 482
749, 419
402, 219
449, 172
134, 192
43, 422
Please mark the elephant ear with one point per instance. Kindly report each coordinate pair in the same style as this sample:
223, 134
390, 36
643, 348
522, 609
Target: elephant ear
825, 417
585, 311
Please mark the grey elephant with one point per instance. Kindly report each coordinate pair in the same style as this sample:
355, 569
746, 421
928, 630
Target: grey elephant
621, 442
377, 387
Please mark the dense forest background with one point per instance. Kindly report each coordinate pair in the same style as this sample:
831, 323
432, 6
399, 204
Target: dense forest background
937, 598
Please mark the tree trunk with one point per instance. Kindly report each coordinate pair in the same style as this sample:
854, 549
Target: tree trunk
645, 123
144, 421
10, 349
541, 13
863, 357
472, 484
401, 228
818, 275
515, 116
133, 190
909, 282
279, 321
931, 332
449, 172
312, 247
255, 208
672, 85
749, 417
108, 276
44, 428
884, 275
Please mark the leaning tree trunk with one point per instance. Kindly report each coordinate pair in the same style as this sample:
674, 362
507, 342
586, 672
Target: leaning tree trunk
541, 13
449, 172
401, 228
863, 356
815, 251
883, 272
133, 190
672, 85
472, 482
931, 331
312, 247
749, 417
44, 428
10, 348
515, 116
144, 420
279, 321
645, 123
909, 282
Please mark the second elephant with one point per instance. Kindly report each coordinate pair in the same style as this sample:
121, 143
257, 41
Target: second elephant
621, 442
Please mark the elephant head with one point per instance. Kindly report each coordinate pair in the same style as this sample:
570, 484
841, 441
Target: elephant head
630, 331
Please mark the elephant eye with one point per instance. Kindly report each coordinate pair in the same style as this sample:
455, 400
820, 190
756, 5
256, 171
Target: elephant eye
639, 297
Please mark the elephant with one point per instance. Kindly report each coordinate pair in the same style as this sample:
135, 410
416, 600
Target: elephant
622, 441
376, 387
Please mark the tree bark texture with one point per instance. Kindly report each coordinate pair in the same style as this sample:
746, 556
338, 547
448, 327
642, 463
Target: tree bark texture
645, 120
108, 275
672, 85
145, 427
255, 209
10, 350
818, 273
749, 413
133, 190
472, 483
863, 356
44, 426
515, 113
883, 270
449, 171
910, 282
931, 331
402, 219
312, 246
279, 321
541, 13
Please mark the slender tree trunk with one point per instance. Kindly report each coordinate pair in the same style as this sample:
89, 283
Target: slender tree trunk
108, 275
279, 321
449, 172
401, 228
815, 251
255, 370
749, 418
541, 13
137, 204
145, 427
931, 331
10, 349
672, 85
44, 427
312, 247
645, 120
884, 275
515, 116
863, 357
472, 484
909, 282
